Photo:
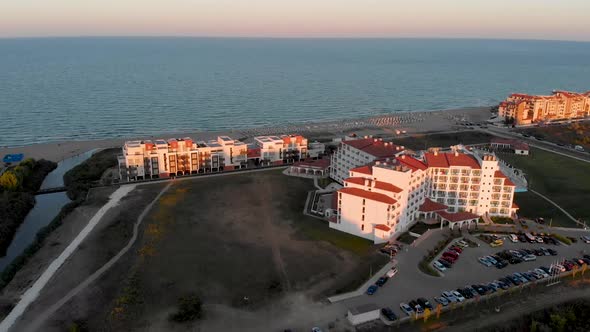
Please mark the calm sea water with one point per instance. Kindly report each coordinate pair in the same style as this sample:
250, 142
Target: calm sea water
89, 88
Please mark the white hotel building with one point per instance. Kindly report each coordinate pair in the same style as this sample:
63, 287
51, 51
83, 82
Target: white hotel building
357, 152
384, 198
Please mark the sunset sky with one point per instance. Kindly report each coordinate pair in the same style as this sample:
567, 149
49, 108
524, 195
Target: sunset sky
530, 19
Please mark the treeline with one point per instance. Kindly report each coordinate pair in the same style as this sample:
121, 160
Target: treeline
17, 188
78, 180
81, 178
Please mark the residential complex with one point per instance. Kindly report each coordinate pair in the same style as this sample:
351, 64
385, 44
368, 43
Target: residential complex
354, 152
384, 198
561, 105
181, 156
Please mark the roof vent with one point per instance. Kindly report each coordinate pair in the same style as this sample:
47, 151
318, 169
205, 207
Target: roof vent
456, 153
436, 152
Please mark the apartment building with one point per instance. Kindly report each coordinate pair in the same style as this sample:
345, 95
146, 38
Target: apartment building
354, 152
561, 105
382, 199
281, 149
180, 156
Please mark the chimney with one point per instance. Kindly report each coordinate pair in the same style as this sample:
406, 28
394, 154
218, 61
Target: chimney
436, 152
366, 182
456, 153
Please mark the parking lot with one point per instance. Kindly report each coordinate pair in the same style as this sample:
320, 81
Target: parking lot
410, 283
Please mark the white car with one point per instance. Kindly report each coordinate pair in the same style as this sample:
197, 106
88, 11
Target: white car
585, 238
539, 239
513, 238
458, 295
437, 265
449, 296
406, 308
462, 244
529, 258
542, 273
391, 272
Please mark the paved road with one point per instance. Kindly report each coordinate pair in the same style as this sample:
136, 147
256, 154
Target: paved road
543, 145
410, 283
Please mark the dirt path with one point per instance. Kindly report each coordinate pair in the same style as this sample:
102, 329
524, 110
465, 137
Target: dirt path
32, 293
40, 319
268, 231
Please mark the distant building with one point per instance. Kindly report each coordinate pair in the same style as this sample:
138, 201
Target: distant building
382, 199
354, 152
281, 149
561, 105
180, 156
520, 148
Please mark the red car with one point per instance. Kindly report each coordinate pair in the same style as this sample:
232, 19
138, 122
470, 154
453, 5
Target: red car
452, 254
449, 258
457, 249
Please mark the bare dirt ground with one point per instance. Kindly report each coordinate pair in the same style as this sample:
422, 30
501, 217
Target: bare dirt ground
240, 242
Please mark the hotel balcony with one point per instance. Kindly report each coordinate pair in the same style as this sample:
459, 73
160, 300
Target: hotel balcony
454, 180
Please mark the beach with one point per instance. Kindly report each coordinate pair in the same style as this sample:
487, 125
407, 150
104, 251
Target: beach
386, 124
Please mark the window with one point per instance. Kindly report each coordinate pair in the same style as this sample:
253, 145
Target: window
363, 209
363, 201
363, 218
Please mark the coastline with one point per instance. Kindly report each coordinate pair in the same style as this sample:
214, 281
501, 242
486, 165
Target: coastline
412, 122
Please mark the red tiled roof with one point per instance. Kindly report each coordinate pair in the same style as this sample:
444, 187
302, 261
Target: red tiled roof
378, 184
445, 160
368, 195
367, 169
431, 206
412, 163
382, 227
457, 216
254, 153
375, 147
320, 163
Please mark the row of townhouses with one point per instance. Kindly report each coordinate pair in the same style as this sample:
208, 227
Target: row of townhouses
383, 195
561, 105
182, 156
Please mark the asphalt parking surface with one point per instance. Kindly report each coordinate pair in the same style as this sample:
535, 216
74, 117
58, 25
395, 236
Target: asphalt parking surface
411, 283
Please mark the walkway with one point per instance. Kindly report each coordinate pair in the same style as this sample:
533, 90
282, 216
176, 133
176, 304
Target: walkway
32, 293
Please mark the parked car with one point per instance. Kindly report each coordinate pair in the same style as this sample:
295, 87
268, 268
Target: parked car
515, 260
529, 258
450, 296
439, 266
501, 264
552, 252
381, 281
456, 249
463, 244
496, 243
406, 308
479, 289
389, 314
585, 238
513, 238
451, 254
484, 261
522, 238
451, 259
458, 295
539, 239
491, 260
372, 289
392, 272
424, 303
447, 264
442, 300
542, 272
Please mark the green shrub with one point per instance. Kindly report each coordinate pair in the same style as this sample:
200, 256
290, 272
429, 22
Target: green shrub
189, 309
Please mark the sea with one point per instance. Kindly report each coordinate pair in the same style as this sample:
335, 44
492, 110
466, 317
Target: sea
56, 89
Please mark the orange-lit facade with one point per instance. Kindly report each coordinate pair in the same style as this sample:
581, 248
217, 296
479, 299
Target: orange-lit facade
561, 105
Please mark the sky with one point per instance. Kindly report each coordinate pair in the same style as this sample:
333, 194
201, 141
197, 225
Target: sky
506, 19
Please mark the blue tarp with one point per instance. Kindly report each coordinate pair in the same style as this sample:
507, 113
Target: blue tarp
13, 158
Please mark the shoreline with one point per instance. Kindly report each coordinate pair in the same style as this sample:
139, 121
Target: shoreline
412, 122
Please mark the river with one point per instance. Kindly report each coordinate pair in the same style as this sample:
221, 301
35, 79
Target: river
46, 208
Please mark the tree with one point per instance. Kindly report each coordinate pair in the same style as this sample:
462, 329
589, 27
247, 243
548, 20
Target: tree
558, 322
9, 181
189, 309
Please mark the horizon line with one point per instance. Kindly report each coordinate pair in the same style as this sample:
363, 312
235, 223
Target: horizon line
294, 37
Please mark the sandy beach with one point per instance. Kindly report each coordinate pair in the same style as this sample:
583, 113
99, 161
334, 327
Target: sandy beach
412, 122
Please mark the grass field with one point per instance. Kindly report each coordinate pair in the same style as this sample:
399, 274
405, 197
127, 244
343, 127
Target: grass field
241, 241
564, 180
422, 142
